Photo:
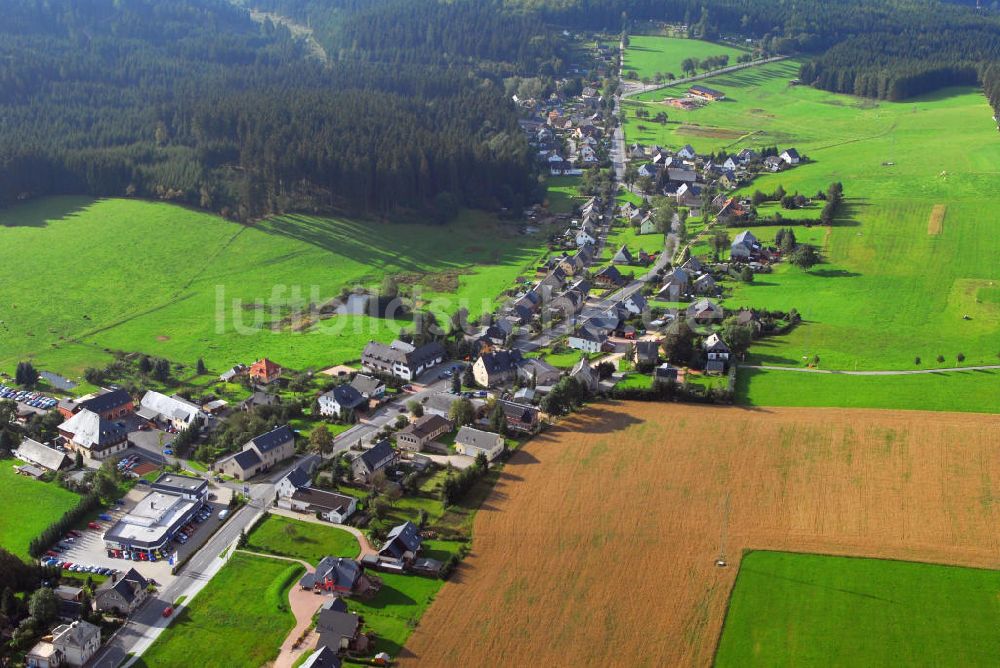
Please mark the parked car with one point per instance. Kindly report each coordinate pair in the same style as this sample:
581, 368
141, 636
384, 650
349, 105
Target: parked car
167, 611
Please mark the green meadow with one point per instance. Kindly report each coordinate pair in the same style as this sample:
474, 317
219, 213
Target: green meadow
308, 541
892, 288
647, 55
813, 610
965, 391
564, 193
84, 276
239, 619
30, 506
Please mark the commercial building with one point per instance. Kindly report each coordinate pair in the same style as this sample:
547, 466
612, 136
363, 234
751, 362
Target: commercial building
152, 524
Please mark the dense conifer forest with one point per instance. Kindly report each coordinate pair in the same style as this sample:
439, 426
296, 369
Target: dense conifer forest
195, 102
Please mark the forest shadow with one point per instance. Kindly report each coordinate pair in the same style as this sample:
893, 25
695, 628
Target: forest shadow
41, 212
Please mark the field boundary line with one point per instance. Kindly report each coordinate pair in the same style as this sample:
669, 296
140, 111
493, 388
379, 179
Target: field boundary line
896, 372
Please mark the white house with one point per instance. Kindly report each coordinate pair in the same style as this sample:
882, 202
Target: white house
340, 399
584, 237
790, 156
586, 340
471, 442
174, 409
687, 152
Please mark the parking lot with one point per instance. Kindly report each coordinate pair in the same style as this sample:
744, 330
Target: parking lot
88, 548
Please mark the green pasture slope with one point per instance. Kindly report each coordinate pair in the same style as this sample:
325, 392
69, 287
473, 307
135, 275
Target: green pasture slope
648, 54
890, 290
812, 610
308, 541
239, 619
80, 276
29, 507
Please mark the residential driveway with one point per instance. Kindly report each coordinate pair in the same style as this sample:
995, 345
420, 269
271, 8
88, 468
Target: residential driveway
304, 605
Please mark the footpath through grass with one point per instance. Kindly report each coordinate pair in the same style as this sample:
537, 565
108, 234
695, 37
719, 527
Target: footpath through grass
239, 619
308, 541
29, 506
812, 610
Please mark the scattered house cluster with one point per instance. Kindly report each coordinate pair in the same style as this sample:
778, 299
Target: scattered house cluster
295, 492
400, 359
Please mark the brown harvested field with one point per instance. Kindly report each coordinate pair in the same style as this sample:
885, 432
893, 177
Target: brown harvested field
597, 547
936, 221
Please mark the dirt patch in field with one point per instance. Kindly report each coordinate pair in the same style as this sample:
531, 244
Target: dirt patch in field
936, 221
162, 337
598, 545
714, 133
444, 281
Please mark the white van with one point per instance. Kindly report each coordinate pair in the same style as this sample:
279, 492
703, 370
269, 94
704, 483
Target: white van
223, 514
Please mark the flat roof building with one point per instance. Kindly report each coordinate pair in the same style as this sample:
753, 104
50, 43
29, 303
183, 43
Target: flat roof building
152, 523
189, 487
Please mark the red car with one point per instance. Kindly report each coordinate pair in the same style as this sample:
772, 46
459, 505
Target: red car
74, 533
167, 611
67, 565
52, 553
93, 525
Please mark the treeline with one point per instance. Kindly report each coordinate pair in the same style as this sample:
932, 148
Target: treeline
70, 519
891, 50
194, 102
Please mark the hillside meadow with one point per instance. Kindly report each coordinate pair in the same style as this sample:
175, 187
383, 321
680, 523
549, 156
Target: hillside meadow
911, 268
29, 507
82, 276
598, 545
648, 55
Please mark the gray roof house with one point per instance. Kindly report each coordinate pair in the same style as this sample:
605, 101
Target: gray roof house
341, 398
470, 441
93, 436
36, 453
744, 245
403, 543
586, 375
373, 460
123, 596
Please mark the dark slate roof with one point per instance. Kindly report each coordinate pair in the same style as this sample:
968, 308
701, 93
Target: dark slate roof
647, 349
344, 573
324, 657
365, 384
347, 396
333, 626
319, 499
246, 459
520, 412
298, 477
273, 439
376, 453
107, 401
501, 361
403, 538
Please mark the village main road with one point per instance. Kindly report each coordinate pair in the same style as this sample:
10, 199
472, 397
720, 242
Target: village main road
148, 622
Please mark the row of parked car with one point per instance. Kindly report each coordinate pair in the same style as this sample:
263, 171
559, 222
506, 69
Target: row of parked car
128, 463
184, 533
33, 399
78, 568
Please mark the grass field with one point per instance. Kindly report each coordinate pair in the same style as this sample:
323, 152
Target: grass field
642, 499
564, 193
630, 237
812, 610
971, 391
396, 609
162, 279
302, 540
647, 55
901, 279
29, 507
239, 619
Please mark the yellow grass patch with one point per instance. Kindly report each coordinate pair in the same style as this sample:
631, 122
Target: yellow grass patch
598, 545
936, 221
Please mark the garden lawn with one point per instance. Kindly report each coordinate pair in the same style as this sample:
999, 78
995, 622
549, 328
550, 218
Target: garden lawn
239, 619
889, 291
311, 542
223, 291
564, 193
640, 381
966, 391
629, 236
29, 507
812, 610
648, 55
396, 609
